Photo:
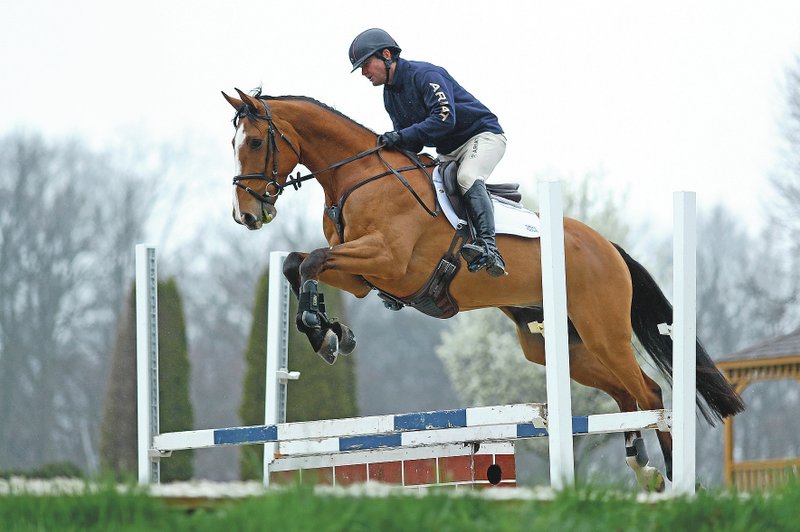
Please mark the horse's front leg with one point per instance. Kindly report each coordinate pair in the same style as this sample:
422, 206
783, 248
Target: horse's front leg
328, 337
345, 263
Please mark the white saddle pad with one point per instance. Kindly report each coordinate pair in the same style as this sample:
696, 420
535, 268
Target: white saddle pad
509, 218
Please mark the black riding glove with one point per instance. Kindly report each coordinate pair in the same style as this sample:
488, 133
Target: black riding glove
390, 139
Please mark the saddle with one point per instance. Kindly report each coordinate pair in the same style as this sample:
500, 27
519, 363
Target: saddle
506, 192
434, 297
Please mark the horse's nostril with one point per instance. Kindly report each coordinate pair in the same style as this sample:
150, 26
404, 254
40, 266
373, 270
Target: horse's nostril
248, 219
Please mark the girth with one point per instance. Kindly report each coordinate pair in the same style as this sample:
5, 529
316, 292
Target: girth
434, 297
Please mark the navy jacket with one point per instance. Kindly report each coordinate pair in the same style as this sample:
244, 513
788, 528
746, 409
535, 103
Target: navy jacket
429, 108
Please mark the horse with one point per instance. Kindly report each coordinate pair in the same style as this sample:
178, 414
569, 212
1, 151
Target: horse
385, 232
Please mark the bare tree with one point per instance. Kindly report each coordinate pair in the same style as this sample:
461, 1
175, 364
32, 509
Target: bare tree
744, 294
783, 233
64, 218
787, 181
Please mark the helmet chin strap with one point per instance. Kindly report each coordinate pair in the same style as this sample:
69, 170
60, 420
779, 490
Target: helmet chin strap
388, 64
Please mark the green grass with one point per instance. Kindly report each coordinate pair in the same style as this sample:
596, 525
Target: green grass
586, 509
103, 510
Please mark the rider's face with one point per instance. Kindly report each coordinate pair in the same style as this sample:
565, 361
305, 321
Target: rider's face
374, 70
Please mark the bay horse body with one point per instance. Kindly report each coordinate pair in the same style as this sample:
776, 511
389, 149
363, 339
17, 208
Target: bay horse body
391, 239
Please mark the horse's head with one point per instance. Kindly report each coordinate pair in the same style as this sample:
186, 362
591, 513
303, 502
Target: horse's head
260, 172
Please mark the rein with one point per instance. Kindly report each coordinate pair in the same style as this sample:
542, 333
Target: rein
296, 182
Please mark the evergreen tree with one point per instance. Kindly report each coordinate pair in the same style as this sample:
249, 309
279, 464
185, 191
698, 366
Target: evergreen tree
118, 432
173, 378
322, 392
118, 441
251, 411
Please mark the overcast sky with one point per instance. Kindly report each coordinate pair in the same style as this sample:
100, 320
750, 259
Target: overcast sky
656, 96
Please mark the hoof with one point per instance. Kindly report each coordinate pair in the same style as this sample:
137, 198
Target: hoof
329, 349
347, 340
651, 480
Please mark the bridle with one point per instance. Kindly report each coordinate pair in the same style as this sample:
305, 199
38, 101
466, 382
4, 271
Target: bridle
272, 152
296, 182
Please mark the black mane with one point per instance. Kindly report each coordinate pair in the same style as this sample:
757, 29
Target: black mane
246, 112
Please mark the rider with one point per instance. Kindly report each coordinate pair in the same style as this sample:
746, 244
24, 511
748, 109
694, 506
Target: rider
429, 108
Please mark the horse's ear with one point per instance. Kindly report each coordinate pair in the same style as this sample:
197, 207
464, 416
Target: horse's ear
233, 101
251, 102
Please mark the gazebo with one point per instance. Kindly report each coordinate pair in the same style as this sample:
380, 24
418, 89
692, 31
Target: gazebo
770, 360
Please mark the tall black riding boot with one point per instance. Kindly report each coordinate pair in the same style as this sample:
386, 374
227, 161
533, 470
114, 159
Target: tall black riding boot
483, 253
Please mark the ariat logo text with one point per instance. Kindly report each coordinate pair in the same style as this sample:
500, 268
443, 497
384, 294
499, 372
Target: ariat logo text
444, 110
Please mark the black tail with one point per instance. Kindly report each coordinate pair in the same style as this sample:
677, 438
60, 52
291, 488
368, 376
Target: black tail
651, 307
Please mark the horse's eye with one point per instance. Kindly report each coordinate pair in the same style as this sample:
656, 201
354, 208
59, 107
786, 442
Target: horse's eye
256, 143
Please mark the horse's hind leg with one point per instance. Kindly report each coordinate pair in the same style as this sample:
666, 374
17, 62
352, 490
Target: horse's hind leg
599, 295
664, 438
590, 372
649, 478
586, 369
610, 341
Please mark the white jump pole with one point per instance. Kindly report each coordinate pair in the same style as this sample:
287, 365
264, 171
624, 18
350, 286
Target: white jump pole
147, 361
277, 353
559, 401
684, 353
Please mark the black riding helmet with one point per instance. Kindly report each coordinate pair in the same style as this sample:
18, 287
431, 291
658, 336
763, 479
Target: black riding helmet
370, 42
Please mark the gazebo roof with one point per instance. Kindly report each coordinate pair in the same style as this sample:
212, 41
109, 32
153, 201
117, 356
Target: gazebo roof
773, 359
779, 346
